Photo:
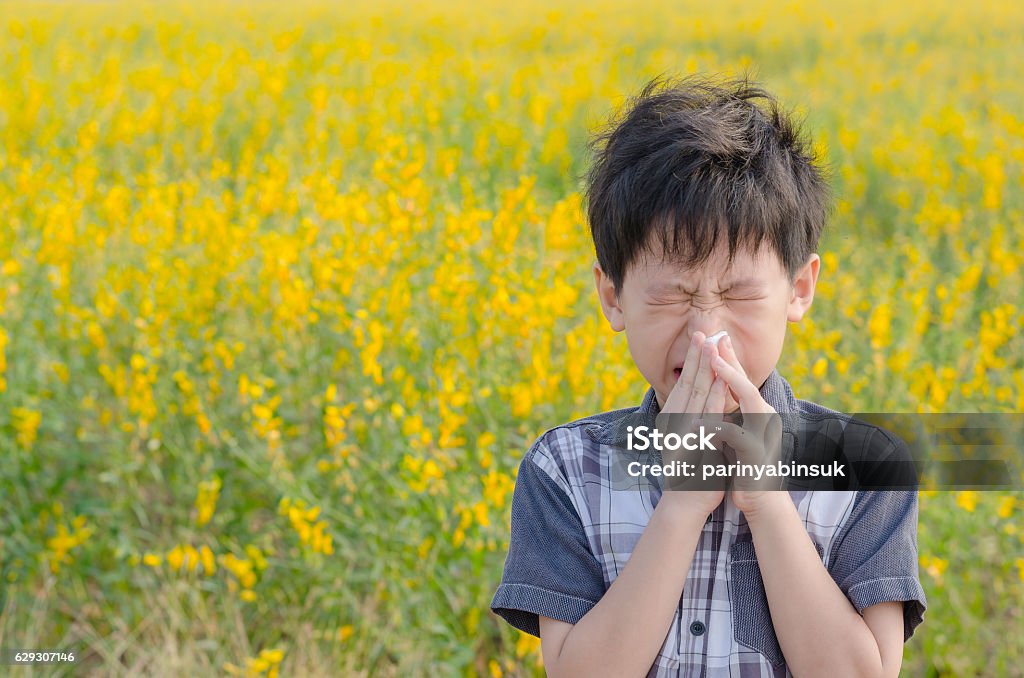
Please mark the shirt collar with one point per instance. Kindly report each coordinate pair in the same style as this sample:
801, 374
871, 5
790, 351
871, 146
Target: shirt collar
776, 391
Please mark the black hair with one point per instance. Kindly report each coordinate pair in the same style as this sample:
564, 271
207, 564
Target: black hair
690, 159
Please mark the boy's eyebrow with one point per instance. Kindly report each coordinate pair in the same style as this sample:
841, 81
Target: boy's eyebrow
676, 286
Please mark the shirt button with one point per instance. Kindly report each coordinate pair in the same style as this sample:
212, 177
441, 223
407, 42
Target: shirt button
697, 628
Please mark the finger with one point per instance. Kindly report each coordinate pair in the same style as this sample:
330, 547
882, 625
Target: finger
748, 396
743, 442
765, 444
723, 448
715, 405
726, 350
750, 448
680, 395
702, 382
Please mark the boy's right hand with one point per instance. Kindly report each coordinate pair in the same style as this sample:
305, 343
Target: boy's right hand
699, 394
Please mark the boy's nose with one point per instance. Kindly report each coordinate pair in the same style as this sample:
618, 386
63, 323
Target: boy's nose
708, 328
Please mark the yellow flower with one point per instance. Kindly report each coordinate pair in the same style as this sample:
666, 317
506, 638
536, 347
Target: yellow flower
880, 326
206, 500
934, 566
65, 540
206, 556
175, 558
527, 644
26, 424
967, 500
1006, 505
497, 487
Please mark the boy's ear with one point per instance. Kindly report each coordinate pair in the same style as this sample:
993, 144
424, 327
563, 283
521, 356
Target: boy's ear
803, 289
609, 300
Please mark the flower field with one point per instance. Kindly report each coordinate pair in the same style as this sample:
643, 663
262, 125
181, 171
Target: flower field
287, 290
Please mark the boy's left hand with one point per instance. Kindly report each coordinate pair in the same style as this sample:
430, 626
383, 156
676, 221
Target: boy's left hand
758, 441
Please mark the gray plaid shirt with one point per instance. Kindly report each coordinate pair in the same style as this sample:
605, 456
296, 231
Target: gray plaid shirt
573, 531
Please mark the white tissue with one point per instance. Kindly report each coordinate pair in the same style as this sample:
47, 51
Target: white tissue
716, 337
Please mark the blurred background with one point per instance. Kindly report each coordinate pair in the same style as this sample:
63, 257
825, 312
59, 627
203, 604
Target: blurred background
287, 291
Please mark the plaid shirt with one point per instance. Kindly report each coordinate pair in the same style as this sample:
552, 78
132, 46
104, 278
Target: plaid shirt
573, 531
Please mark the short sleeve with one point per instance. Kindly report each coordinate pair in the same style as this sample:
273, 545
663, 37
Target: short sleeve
874, 557
550, 569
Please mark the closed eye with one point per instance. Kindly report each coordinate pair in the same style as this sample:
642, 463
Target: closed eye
669, 302
688, 301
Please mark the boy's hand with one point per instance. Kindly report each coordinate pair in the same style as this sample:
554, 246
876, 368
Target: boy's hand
758, 441
697, 394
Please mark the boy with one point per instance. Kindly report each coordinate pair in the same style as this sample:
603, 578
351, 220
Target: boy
705, 212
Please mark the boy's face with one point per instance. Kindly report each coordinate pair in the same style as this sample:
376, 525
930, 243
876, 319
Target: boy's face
661, 305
